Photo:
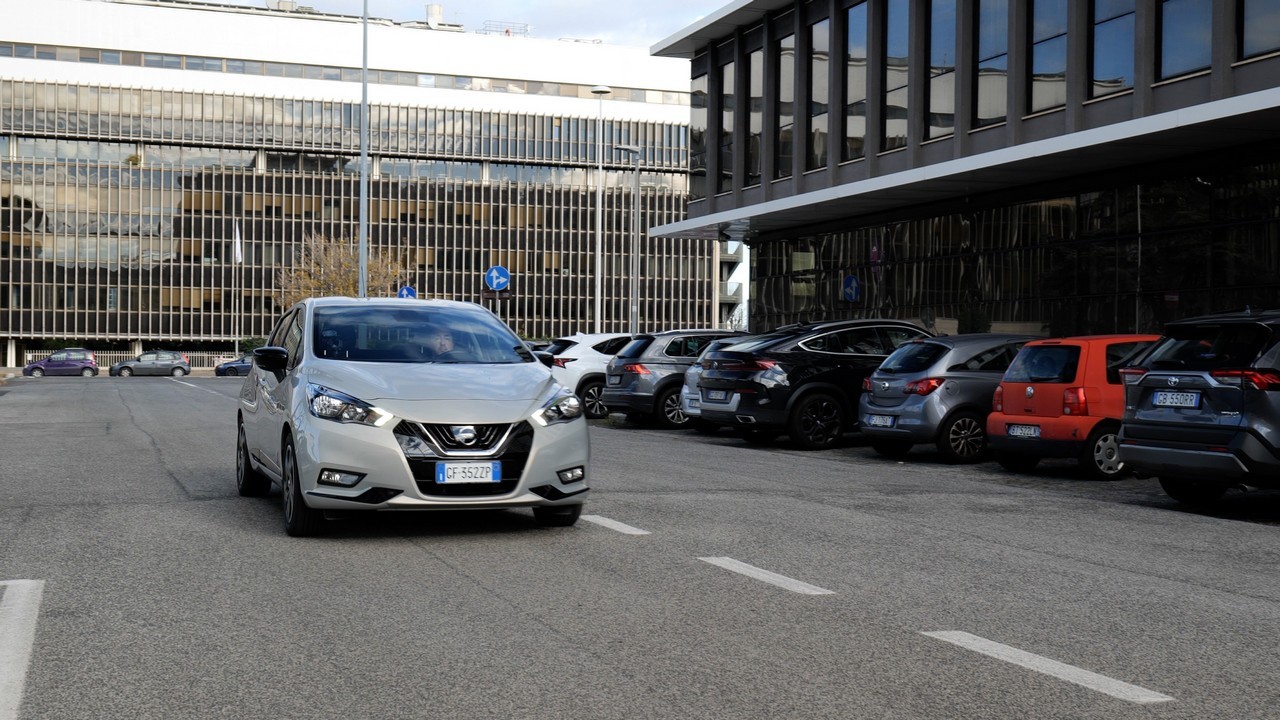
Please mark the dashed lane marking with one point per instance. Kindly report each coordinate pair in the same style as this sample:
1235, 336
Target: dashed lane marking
19, 607
1053, 668
614, 525
781, 581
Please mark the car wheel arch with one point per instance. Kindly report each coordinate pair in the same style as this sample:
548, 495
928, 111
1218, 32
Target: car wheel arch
588, 378
847, 404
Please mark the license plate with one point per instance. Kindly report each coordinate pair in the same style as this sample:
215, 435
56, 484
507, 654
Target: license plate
880, 420
694, 403
717, 394
1164, 398
613, 379
468, 472
1025, 431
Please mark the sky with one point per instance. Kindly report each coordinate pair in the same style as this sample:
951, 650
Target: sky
616, 22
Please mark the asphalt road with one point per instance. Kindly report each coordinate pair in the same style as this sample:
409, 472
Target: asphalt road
712, 580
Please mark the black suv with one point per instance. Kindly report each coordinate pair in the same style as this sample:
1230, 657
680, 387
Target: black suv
801, 380
1202, 408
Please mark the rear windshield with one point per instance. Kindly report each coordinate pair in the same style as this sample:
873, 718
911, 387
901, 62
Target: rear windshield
718, 345
560, 345
758, 342
1045, 363
1209, 347
636, 347
913, 357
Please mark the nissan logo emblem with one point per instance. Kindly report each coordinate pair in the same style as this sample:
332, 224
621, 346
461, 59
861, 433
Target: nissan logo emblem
463, 434
1030, 391
1173, 382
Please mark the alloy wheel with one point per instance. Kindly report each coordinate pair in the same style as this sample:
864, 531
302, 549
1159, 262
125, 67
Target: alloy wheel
820, 422
593, 402
966, 438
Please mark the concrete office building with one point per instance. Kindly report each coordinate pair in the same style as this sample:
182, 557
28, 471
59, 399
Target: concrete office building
162, 160
1062, 167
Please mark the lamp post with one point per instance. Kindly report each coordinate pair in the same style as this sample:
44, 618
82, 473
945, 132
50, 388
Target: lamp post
600, 91
634, 152
364, 153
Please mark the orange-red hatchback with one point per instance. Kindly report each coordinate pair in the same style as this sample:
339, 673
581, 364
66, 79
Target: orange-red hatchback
1064, 398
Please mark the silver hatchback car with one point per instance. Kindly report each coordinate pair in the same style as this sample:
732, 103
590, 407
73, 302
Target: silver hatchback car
393, 404
936, 390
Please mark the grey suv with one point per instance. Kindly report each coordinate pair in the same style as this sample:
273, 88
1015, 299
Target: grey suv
645, 377
1202, 407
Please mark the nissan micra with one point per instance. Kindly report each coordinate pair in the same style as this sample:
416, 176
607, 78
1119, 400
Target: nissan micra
396, 404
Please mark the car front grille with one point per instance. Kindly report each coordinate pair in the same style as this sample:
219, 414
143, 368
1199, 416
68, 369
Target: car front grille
512, 449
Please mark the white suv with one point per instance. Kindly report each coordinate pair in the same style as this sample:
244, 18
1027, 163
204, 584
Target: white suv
392, 404
579, 362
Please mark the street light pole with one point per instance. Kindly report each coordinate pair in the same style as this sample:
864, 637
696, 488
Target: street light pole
635, 239
364, 154
599, 91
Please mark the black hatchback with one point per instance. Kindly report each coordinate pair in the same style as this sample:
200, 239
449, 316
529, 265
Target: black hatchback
799, 380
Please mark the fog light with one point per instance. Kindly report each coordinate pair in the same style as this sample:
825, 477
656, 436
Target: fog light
339, 478
572, 475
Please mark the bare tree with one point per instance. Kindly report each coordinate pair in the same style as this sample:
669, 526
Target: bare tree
331, 266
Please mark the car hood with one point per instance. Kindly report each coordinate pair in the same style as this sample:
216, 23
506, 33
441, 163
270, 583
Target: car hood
425, 389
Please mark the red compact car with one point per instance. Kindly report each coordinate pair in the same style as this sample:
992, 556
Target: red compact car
1064, 398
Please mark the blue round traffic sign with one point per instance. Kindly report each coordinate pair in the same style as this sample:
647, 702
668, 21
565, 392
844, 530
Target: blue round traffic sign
497, 278
407, 292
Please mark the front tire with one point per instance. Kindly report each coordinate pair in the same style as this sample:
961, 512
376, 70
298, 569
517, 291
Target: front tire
592, 394
670, 415
37, 372
232, 372
1101, 455
179, 372
817, 422
562, 516
1192, 492
87, 372
249, 482
299, 520
962, 439
126, 372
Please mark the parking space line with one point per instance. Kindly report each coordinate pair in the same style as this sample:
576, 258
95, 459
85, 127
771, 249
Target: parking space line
19, 607
752, 571
614, 525
1053, 668
211, 392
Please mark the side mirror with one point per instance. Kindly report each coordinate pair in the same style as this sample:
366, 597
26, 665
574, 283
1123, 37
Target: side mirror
544, 357
271, 358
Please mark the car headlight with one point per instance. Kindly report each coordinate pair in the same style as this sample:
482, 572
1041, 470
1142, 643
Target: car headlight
562, 407
341, 407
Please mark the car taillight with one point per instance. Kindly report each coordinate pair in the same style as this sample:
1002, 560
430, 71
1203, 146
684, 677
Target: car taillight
997, 399
1257, 379
866, 384
1131, 375
636, 368
923, 387
561, 362
184, 358
1074, 402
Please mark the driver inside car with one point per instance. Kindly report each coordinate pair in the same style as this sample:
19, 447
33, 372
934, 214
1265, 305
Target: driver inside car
440, 341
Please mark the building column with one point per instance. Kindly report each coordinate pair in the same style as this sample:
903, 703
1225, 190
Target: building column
11, 353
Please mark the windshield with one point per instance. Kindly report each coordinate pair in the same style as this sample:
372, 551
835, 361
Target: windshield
414, 334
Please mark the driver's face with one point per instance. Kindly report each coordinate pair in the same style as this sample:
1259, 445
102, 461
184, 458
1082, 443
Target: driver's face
440, 341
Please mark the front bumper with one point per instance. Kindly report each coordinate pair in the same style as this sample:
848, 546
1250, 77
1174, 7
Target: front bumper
392, 480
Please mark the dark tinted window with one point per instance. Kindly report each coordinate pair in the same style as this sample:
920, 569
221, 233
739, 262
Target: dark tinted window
913, 357
894, 337
1208, 347
758, 343
689, 346
611, 347
995, 359
636, 347
1045, 363
1123, 355
560, 345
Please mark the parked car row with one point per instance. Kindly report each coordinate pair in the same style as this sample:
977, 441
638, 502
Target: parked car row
80, 361
1198, 407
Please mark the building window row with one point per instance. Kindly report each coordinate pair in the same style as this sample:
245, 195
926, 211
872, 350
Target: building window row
792, 49
322, 72
166, 116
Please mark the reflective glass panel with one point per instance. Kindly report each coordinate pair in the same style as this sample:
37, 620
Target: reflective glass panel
1113, 56
755, 114
1261, 25
819, 59
897, 41
786, 105
1185, 36
855, 85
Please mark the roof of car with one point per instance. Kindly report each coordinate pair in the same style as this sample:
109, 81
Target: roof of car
720, 331
1083, 339
848, 322
1245, 315
976, 339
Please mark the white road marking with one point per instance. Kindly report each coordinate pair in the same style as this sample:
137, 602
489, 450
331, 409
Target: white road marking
211, 392
1062, 671
781, 581
614, 525
19, 607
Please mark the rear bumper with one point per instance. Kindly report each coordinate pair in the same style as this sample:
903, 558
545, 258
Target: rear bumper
623, 401
1244, 458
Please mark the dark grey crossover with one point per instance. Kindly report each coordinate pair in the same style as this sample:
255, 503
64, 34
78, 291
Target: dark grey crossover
938, 391
1202, 409
645, 377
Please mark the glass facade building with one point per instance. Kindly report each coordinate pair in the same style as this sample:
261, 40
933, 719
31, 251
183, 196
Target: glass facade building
1032, 165
162, 213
